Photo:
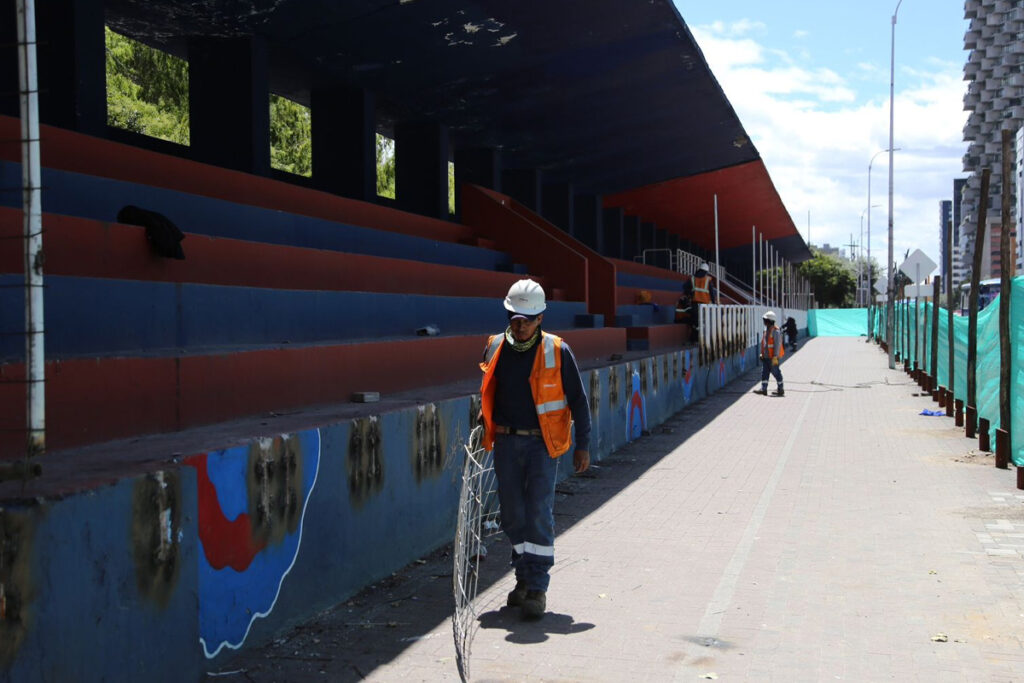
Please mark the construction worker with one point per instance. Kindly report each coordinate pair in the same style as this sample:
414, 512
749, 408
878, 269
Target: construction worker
702, 288
772, 350
531, 394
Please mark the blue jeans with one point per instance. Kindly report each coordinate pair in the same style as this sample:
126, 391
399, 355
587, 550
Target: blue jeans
766, 367
526, 491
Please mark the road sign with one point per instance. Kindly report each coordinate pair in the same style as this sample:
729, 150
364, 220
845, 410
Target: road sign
918, 266
881, 284
918, 291
881, 298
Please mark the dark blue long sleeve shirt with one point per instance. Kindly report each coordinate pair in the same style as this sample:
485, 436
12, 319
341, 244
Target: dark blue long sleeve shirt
513, 400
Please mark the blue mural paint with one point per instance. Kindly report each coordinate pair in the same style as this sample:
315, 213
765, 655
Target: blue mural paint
230, 600
637, 420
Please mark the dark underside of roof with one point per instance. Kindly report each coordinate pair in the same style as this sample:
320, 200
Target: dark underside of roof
609, 95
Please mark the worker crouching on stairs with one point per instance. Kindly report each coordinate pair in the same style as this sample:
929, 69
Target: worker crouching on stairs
772, 350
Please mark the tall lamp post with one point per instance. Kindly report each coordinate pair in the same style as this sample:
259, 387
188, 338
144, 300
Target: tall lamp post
889, 307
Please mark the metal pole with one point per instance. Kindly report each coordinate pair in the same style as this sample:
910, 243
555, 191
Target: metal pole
35, 358
753, 260
718, 283
892, 82
760, 263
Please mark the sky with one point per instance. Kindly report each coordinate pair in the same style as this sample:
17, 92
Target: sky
810, 84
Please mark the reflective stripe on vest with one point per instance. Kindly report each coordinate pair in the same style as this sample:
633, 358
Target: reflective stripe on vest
768, 350
702, 289
546, 387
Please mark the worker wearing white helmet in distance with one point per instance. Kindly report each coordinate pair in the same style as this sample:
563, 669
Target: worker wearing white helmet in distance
772, 350
530, 396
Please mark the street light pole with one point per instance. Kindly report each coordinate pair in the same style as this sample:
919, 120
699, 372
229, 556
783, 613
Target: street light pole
889, 308
870, 206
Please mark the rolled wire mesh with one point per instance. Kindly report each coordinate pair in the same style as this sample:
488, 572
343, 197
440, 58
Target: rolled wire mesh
478, 519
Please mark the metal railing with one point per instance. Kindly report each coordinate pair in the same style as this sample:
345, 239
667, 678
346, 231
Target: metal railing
725, 330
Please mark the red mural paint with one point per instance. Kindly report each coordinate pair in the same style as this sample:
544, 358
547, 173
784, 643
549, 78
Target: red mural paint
226, 543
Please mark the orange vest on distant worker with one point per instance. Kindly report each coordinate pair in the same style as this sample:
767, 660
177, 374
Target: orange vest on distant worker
768, 346
546, 385
702, 289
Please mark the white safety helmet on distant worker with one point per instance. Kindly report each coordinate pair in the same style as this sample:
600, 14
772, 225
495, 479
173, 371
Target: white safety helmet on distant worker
525, 297
703, 266
770, 315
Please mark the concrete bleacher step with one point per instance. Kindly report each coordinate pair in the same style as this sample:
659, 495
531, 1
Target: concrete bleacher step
517, 268
96, 399
482, 242
657, 337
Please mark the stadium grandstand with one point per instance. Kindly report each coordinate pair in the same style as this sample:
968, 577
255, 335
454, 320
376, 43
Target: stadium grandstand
214, 465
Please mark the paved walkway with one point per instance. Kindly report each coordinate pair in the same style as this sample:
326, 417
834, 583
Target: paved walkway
834, 534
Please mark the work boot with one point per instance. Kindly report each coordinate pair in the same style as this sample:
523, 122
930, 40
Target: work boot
763, 391
517, 595
534, 604
780, 392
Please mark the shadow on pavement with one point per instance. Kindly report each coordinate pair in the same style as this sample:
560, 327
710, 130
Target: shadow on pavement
353, 639
531, 632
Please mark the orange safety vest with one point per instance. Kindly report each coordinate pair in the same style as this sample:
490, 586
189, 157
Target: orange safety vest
548, 394
702, 289
768, 349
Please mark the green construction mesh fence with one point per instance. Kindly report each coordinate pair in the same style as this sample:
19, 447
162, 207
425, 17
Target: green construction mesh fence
912, 339
837, 322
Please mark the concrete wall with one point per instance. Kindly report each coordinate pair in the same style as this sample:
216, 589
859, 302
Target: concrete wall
228, 547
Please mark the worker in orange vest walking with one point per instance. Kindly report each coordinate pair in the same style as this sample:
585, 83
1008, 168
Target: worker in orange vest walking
772, 351
530, 396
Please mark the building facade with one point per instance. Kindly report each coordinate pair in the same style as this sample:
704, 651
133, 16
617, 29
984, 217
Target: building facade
995, 100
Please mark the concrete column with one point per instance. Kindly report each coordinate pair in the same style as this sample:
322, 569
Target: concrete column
660, 258
71, 55
613, 222
421, 168
344, 132
476, 166
9, 104
588, 220
630, 237
559, 206
646, 237
524, 186
229, 103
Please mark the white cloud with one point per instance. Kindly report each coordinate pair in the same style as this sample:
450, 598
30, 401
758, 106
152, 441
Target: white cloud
816, 134
800, 33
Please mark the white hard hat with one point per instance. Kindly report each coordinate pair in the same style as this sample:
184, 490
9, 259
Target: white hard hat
703, 266
770, 315
526, 297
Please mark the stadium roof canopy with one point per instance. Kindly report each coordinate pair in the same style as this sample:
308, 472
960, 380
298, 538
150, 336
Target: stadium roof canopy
610, 95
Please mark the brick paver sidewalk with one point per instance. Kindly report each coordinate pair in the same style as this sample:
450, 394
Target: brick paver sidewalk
834, 534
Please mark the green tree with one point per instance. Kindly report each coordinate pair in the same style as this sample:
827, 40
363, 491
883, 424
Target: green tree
290, 136
385, 166
147, 90
832, 279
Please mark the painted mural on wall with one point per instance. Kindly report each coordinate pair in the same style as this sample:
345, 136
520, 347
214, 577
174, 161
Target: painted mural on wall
687, 375
636, 421
252, 504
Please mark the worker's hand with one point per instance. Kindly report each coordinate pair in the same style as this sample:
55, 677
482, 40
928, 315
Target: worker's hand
580, 460
480, 417
760, 357
775, 360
